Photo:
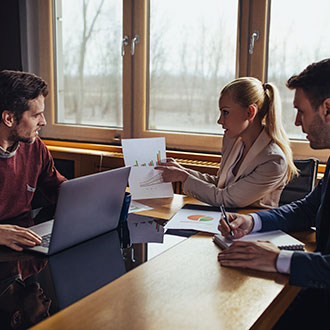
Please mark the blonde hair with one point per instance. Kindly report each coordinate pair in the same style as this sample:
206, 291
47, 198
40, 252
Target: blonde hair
248, 90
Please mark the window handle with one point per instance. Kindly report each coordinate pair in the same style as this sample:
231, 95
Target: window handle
124, 43
254, 37
135, 41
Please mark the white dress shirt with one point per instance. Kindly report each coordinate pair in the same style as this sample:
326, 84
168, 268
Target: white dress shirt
283, 261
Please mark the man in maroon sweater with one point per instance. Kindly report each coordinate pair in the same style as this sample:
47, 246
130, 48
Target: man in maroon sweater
25, 162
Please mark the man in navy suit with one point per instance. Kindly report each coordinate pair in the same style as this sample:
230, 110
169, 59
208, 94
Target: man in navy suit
308, 270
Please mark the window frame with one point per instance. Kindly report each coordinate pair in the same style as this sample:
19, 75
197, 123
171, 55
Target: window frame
252, 15
48, 60
174, 140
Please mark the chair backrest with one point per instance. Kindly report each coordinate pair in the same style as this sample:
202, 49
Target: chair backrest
300, 186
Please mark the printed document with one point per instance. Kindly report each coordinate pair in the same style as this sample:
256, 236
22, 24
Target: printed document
143, 155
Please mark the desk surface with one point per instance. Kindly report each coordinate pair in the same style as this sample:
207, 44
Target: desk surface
182, 288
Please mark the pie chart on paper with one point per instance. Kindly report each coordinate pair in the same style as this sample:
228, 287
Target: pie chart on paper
200, 217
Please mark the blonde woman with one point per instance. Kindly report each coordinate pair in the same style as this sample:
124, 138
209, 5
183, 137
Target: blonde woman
256, 159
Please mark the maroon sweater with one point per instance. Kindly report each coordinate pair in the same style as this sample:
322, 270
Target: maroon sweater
31, 166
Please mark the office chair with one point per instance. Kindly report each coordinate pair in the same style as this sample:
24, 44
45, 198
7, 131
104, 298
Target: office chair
300, 186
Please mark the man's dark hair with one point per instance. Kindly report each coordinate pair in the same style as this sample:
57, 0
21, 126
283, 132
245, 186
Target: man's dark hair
314, 81
17, 89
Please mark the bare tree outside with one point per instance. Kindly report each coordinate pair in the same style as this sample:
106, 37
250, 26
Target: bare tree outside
192, 56
295, 42
87, 33
198, 59
92, 63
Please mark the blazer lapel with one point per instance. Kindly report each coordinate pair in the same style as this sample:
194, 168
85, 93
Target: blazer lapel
228, 161
324, 230
259, 144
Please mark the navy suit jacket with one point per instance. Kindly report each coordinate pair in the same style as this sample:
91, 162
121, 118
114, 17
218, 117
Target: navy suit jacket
307, 269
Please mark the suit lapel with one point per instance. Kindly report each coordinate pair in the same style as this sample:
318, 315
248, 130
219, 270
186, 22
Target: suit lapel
324, 232
229, 160
259, 144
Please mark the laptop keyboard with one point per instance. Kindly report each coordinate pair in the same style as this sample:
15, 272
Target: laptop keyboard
45, 240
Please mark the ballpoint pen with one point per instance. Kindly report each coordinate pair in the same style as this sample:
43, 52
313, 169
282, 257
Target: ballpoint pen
222, 209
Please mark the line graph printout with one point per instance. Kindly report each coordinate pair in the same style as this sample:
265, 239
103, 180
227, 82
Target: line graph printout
200, 220
146, 182
143, 155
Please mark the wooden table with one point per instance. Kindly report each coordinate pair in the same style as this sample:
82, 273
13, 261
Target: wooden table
183, 288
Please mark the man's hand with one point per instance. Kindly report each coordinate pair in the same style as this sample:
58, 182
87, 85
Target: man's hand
261, 255
14, 236
241, 224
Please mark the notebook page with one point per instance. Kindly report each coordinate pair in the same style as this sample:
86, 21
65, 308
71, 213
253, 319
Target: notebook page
277, 237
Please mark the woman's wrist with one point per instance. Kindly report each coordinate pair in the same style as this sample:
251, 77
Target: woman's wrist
184, 176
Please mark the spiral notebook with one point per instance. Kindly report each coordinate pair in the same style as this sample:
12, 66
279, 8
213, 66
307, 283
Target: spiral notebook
281, 239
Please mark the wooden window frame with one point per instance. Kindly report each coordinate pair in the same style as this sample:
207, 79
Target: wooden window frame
54, 130
252, 15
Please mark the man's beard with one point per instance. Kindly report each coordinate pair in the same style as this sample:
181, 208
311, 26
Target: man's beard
15, 138
319, 132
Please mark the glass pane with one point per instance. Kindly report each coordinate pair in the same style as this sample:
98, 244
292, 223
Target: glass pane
89, 63
192, 56
299, 30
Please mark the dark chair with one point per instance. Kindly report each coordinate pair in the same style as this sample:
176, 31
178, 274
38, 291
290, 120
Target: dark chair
300, 186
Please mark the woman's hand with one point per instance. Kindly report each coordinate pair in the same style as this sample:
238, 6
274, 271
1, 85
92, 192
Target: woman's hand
171, 162
172, 171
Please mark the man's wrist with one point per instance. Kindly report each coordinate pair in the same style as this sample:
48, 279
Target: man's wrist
283, 262
257, 224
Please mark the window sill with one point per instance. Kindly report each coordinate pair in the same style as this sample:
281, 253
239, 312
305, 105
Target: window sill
198, 161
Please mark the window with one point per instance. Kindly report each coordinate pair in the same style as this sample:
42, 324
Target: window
94, 82
148, 68
295, 41
88, 69
191, 57
89, 63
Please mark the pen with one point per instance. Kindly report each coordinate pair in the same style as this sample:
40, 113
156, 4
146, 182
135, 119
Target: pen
222, 209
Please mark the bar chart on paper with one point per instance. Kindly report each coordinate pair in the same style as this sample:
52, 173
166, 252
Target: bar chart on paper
146, 152
151, 162
143, 155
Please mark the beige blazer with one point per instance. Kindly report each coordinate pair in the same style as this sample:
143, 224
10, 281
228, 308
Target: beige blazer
258, 183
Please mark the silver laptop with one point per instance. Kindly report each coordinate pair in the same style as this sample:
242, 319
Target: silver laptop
87, 207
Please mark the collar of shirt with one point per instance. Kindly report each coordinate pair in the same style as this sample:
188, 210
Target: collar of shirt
8, 154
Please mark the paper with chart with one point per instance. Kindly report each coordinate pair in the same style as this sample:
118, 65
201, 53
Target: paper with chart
143, 155
199, 220
138, 207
